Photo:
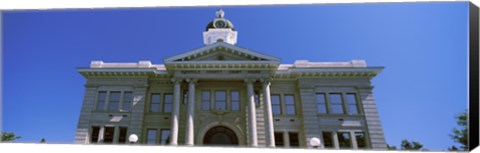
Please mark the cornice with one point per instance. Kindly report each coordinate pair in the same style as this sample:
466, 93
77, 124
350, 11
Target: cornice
219, 46
121, 72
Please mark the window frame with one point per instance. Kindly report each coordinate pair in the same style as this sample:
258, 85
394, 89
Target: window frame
167, 141
160, 107
217, 101
347, 103
350, 142
164, 103
104, 107
205, 101
364, 139
185, 95
332, 140
290, 133
105, 135
120, 135
155, 138
332, 105
352, 133
257, 98
110, 101
291, 105
232, 101
93, 135
279, 104
325, 103
277, 140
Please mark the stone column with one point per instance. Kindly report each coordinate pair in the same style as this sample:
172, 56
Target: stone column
268, 112
175, 112
116, 133
100, 134
286, 139
252, 120
354, 140
335, 140
191, 112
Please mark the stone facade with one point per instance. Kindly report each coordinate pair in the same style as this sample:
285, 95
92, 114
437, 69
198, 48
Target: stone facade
224, 93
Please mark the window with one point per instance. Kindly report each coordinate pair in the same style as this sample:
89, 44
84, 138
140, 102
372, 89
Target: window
122, 138
206, 100
327, 139
360, 137
235, 100
94, 136
114, 101
101, 100
336, 102
290, 104
293, 137
278, 139
108, 135
220, 100
185, 96
127, 101
275, 104
165, 136
321, 103
256, 98
155, 102
167, 103
151, 136
344, 139
352, 103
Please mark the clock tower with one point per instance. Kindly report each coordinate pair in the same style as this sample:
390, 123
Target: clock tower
220, 30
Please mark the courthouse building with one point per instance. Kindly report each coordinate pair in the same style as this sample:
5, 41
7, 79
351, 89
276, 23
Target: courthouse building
223, 94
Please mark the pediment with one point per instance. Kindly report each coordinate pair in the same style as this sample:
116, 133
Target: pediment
221, 52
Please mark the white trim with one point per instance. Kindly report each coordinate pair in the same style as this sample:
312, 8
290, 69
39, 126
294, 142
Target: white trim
220, 44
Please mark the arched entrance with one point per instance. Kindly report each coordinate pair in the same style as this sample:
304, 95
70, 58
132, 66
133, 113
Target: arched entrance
220, 135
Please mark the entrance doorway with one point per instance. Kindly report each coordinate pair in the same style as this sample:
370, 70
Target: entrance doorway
220, 136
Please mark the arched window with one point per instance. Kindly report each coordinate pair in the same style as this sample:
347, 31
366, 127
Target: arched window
220, 135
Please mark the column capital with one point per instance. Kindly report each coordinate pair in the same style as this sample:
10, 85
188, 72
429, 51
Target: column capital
175, 80
266, 81
191, 80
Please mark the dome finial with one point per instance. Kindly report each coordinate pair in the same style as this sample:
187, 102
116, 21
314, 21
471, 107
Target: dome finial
220, 13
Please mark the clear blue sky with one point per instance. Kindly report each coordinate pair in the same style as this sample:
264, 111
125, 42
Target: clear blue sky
423, 47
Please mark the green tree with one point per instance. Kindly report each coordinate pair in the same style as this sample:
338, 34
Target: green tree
453, 148
391, 147
43, 140
461, 135
10, 136
414, 145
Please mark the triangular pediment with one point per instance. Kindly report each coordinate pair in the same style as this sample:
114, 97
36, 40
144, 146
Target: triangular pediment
219, 52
